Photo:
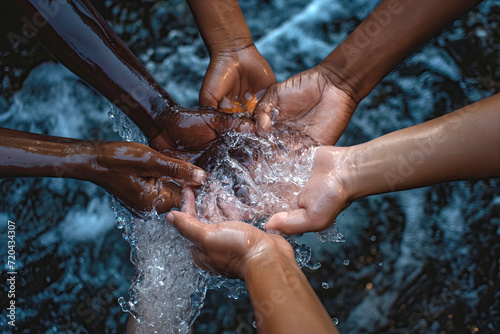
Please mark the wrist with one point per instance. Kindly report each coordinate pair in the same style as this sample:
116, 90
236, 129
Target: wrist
79, 161
152, 118
230, 47
221, 24
267, 259
343, 78
368, 171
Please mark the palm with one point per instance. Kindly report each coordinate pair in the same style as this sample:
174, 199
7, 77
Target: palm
231, 244
226, 248
323, 197
307, 102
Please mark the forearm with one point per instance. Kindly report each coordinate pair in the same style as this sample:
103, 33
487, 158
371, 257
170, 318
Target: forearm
78, 36
460, 145
386, 37
283, 300
28, 154
221, 24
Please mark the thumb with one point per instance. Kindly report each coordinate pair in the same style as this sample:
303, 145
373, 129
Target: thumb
188, 226
294, 222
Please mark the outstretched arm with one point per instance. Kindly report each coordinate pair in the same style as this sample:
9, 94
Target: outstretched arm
237, 71
78, 36
461, 145
321, 100
394, 30
133, 172
281, 296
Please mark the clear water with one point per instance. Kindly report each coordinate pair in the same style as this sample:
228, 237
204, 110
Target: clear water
249, 178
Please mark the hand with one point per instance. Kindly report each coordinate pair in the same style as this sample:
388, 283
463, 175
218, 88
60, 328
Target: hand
325, 195
195, 129
141, 177
228, 248
308, 102
236, 77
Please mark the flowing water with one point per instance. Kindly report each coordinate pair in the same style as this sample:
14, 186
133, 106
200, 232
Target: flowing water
419, 261
248, 178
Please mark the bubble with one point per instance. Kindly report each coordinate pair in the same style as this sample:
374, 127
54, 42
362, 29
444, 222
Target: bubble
254, 324
325, 285
335, 321
373, 238
346, 262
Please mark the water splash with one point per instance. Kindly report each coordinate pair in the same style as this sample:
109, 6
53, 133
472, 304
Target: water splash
168, 291
249, 178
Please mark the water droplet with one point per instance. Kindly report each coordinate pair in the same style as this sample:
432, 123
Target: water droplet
346, 262
373, 238
335, 321
325, 285
380, 264
254, 324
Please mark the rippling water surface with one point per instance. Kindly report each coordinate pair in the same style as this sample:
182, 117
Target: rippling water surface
425, 260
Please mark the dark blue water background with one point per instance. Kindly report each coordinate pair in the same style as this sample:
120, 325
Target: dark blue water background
425, 260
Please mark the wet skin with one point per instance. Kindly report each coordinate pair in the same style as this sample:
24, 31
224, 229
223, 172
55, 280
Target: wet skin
133, 172
79, 37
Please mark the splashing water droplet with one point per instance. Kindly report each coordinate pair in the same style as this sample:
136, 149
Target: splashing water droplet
335, 321
254, 324
373, 238
325, 285
346, 262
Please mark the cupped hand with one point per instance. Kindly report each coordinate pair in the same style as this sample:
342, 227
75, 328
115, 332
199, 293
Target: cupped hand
140, 177
192, 130
227, 248
235, 77
325, 195
309, 103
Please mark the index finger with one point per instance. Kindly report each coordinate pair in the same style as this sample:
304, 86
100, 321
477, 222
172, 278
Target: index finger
180, 170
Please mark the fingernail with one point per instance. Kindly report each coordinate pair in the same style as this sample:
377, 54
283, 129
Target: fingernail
170, 218
199, 176
260, 93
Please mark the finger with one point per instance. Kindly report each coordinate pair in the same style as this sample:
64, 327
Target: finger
169, 196
234, 210
293, 222
263, 114
180, 170
188, 201
188, 226
223, 123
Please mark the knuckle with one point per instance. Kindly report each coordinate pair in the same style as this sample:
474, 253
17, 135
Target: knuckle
173, 169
